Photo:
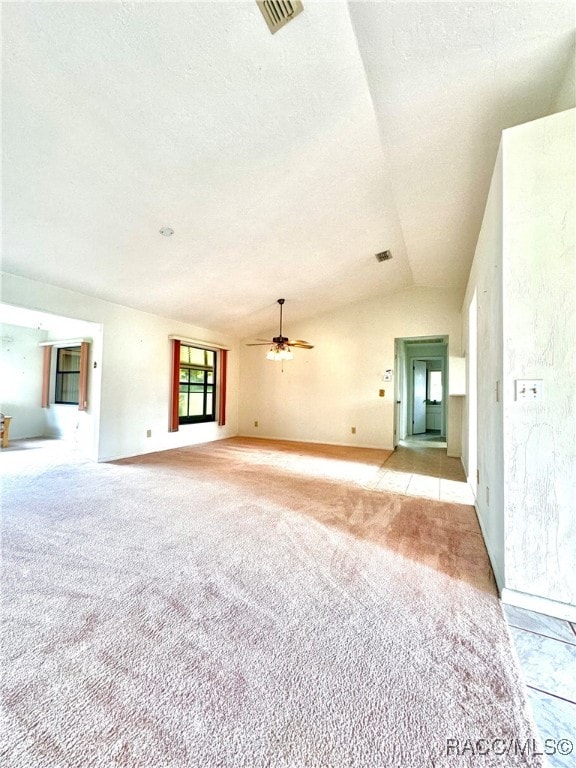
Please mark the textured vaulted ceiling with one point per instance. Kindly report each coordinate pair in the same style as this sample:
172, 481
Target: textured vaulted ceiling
283, 162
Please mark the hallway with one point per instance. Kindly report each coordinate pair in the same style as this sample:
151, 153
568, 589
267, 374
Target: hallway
427, 440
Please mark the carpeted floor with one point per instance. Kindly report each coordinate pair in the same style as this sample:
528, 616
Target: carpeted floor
246, 604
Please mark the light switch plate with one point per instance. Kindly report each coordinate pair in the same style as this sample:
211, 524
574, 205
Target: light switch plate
529, 389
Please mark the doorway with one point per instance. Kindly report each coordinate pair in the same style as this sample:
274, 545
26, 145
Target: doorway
421, 412
59, 422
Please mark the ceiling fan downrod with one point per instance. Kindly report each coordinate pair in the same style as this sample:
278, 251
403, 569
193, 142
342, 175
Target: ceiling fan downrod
280, 339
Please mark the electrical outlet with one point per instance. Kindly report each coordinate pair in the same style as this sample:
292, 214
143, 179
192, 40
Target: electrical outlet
381, 392
255, 423
353, 430
148, 433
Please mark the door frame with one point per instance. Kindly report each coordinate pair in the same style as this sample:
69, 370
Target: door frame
403, 379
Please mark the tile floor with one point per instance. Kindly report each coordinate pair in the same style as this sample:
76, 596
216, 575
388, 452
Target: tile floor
423, 471
429, 438
546, 651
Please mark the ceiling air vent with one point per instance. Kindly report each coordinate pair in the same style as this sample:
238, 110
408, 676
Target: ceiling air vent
384, 256
279, 12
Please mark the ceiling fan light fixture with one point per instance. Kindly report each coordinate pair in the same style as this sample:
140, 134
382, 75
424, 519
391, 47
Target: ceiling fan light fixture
279, 352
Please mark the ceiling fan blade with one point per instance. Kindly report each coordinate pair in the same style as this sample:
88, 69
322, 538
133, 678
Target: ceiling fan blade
299, 343
278, 343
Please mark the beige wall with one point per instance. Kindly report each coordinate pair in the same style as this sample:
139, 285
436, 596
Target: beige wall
326, 391
129, 390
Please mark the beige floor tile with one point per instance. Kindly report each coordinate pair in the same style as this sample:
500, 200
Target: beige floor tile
422, 485
456, 491
394, 481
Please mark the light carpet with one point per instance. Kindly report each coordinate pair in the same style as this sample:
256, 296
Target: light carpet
245, 604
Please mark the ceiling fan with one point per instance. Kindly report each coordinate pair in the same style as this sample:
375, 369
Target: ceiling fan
280, 345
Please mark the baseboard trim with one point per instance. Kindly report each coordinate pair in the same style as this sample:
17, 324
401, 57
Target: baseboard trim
539, 604
495, 568
160, 449
313, 442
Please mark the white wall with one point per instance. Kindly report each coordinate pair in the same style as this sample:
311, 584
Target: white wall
131, 383
326, 391
21, 380
524, 277
486, 280
540, 343
566, 97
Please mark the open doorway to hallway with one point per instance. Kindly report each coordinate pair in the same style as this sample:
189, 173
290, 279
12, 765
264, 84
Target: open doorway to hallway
421, 413
48, 361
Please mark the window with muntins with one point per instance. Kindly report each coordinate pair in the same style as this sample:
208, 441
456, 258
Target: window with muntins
197, 388
67, 375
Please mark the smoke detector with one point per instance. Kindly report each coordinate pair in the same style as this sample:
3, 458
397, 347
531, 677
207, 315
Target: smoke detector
277, 13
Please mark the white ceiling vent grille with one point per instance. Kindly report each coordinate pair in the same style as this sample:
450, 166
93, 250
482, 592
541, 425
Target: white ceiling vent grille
279, 12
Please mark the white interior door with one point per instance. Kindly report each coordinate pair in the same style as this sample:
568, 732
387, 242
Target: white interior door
419, 404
